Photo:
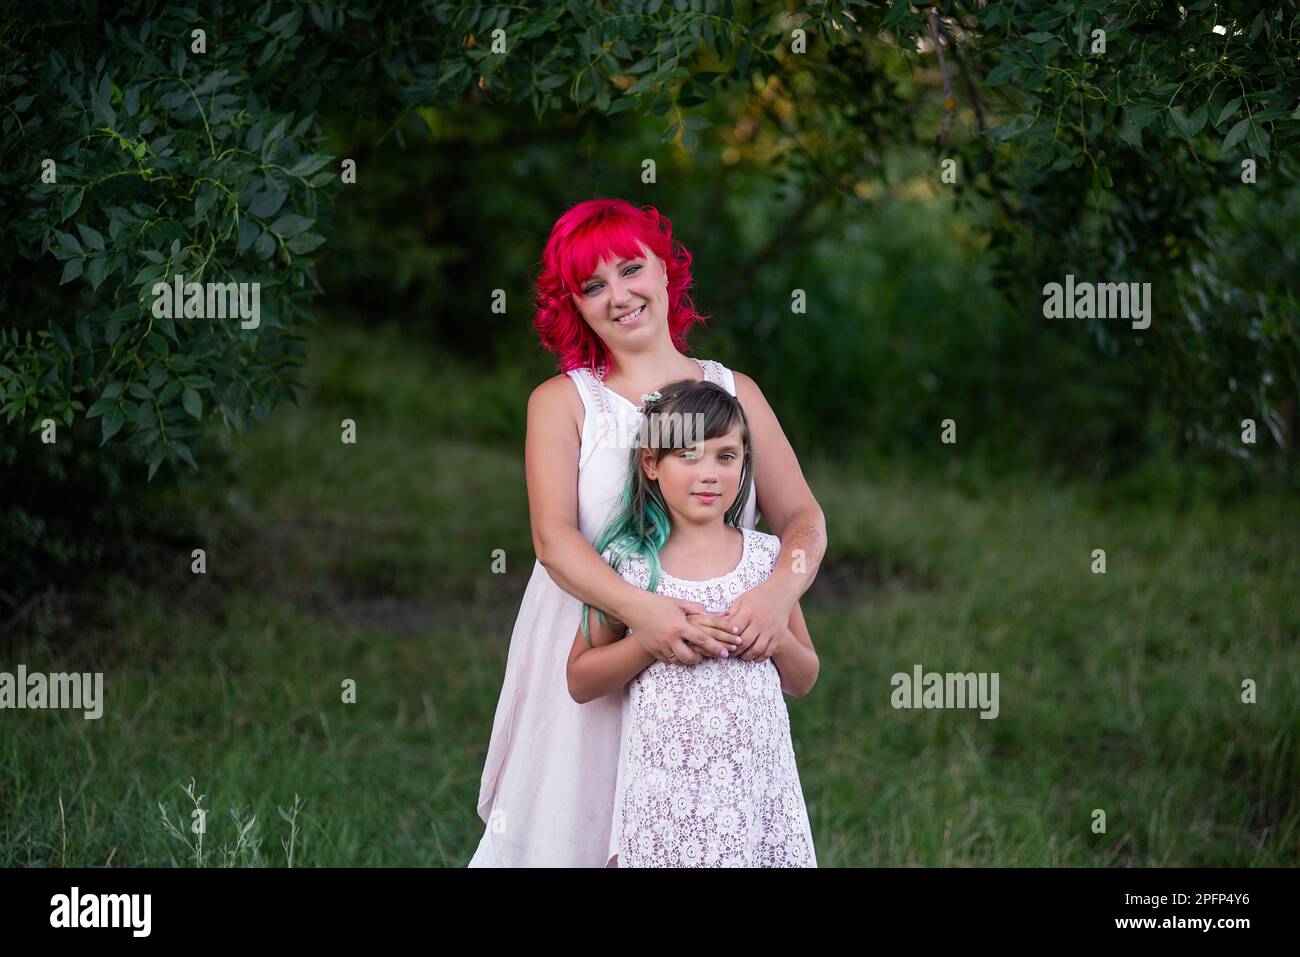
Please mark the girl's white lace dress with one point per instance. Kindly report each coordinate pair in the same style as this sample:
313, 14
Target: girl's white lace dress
706, 772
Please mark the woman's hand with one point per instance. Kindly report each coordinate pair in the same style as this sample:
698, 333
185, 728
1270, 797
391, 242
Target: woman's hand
762, 615
660, 626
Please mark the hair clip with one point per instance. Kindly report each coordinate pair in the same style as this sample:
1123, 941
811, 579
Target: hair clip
647, 397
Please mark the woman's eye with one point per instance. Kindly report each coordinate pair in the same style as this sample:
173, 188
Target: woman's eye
597, 285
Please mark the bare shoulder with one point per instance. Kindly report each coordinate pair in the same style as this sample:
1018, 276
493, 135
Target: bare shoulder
555, 389
557, 400
557, 393
746, 388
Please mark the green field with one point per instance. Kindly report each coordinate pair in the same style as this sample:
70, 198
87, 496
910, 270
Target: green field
372, 562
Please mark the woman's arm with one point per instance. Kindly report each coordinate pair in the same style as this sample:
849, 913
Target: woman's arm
795, 658
551, 451
790, 510
606, 666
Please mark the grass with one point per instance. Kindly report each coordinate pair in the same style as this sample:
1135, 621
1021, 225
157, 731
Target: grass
371, 563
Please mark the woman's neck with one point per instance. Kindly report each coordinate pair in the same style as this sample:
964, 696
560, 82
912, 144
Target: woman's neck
650, 368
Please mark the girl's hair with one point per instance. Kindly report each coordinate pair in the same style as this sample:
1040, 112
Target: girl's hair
641, 527
586, 235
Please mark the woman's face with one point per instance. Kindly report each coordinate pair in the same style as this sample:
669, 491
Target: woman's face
625, 303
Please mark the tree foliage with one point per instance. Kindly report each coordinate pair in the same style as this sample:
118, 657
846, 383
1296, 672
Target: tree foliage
203, 154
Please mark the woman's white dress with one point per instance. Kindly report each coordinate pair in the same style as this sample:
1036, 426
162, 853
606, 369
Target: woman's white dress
547, 791
707, 774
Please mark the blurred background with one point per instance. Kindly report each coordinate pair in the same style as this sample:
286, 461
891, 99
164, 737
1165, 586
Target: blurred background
795, 147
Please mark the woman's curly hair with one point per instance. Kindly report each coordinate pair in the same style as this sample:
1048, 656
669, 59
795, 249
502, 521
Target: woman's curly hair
586, 235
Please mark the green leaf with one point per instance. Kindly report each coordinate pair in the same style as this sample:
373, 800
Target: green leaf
62, 339
268, 202
1178, 120
1236, 134
193, 403
113, 390
304, 243
291, 225
99, 408
265, 246
111, 424
897, 13
308, 164
1196, 121
1228, 110
248, 233
72, 269
67, 245
71, 203
1004, 72
1258, 140
97, 271
91, 237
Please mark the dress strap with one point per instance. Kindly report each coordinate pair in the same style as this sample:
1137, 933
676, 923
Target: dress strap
588, 383
713, 371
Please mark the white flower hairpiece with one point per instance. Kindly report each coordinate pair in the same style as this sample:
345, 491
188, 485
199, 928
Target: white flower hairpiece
650, 397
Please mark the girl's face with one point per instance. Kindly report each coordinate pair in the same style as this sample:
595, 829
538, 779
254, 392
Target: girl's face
626, 302
699, 483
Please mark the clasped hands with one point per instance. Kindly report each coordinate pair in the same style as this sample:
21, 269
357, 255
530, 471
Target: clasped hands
753, 628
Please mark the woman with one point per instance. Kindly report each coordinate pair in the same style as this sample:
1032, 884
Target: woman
612, 304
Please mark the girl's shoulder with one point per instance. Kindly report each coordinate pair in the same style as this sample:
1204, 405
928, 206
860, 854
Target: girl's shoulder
763, 550
633, 568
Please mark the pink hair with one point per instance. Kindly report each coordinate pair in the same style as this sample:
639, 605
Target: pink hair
587, 234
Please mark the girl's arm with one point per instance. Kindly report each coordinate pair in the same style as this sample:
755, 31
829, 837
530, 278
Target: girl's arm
608, 665
795, 658
551, 462
791, 511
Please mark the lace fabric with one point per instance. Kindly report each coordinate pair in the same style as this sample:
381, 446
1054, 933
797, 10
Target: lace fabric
600, 392
707, 774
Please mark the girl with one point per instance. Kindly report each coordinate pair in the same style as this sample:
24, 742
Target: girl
613, 306
706, 771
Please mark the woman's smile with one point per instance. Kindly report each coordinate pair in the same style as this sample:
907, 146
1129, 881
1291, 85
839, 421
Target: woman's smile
631, 318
